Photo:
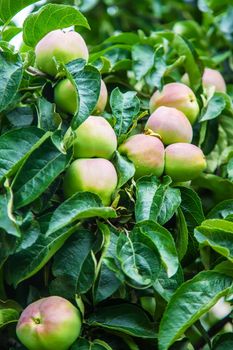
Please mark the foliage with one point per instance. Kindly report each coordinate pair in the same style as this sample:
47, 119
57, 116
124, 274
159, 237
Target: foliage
171, 243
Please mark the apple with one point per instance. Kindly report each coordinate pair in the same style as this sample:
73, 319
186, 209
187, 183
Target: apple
179, 96
51, 323
65, 97
171, 124
95, 138
61, 46
184, 162
213, 79
146, 152
96, 175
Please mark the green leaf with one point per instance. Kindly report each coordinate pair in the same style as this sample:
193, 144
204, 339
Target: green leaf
218, 234
155, 200
192, 207
47, 118
11, 68
81, 205
182, 236
48, 18
139, 259
165, 286
7, 221
143, 59
76, 275
83, 344
223, 342
221, 210
163, 241
225, 267
86, 80
125, 318
194, 298
8, 316
125, 169
215, 106
9, 8
108, 273
125, 108
27, 262
184, 48
10, 32
16, 145
41, 168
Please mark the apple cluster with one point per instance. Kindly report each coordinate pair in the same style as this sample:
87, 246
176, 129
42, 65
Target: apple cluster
164, 147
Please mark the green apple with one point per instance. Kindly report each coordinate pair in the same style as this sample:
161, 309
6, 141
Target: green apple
171, 124
96, 175
184, 162
95, 138
65, 97
179, 96
51, 323
146, 152
61, 46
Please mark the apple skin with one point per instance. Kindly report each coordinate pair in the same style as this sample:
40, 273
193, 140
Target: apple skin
95, 138
96, 175
184, 162
66, 99
48, 324
146, 152
171, 124
213, 78
102, 100
179, 96
64, 46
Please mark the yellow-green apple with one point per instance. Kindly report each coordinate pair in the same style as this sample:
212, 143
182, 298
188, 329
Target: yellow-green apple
61, 46
95, 138
95, 175
183, 161
65, 97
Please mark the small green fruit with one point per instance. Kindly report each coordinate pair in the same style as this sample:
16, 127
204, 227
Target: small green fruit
65, 97
179, 96
184, 162
147, 154
95, 175
171, 124
95, 138
64, 47
48, 324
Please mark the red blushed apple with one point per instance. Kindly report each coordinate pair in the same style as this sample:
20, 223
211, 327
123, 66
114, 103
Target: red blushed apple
51, 323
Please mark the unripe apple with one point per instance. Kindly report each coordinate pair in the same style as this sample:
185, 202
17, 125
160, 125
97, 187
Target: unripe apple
95, 138
179, 96
213, 78
48, 324
146, 152
183, 161
102, 100
62, 46
66, 99
171, 124
95, 175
